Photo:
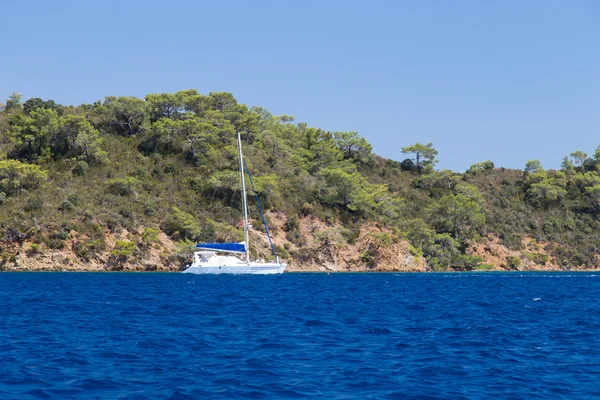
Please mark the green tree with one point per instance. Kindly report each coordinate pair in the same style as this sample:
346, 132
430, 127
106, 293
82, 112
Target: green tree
343, 188
286, 119
458, 215
223, 101
190, 136
13, 102
424, 154
443, 252
567, 167
546, 193
31, 135
546, 189
194, 102
15, 176
164, 105
125, 114
419, 233
597, 155
247, 125
122, 186
444, 179
321, 151
532, 166
69, 128
182, 224
579, 157
353, 145
471, 191
35, 103
481, 167
88, 143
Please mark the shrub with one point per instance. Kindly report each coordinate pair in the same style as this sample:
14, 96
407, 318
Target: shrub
73, 198
368, 257
15, 176
182, 224
156, 172
170, 169
148, 209
408, 165
296, 237
56, 239
282, 252
415, 252
80, 168
112, 223
330, 237
34, 249
123, 250
257, 225
351, 235
382, 238
466, 261
139, 173
291, 224
122, 186
481, 167
127, 214
33, 205
149, 236
88, 249
66, 206
537, 258
513, 262
512, 241
306, 209
197, 185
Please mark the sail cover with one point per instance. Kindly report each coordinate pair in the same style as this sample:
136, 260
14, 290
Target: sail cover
230, 247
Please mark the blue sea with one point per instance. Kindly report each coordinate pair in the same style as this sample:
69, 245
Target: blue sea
338, 336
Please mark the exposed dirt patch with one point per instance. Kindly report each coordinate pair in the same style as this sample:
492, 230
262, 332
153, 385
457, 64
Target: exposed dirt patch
147, 257
532, 256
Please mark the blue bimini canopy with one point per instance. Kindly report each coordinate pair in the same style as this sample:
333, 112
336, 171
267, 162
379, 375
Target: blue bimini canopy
229, 247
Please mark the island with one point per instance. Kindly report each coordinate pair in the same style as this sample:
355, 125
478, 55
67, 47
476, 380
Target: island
131, 184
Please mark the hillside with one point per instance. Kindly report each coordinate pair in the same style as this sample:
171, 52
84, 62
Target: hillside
129, 184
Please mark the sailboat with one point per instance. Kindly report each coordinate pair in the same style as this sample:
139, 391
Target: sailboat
209, 259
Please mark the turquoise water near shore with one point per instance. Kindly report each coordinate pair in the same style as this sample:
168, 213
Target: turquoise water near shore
384, 336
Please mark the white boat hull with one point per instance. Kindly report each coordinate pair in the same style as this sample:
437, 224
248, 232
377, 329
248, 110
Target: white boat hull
239, 269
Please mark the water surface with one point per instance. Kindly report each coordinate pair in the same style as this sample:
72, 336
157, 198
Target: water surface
380, 336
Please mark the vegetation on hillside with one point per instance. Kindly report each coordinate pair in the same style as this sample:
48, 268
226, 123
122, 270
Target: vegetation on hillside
169, 162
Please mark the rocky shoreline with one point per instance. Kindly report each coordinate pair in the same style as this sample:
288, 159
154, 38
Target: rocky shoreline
317, 247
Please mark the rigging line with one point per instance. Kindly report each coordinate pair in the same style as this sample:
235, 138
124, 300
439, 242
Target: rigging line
262, 216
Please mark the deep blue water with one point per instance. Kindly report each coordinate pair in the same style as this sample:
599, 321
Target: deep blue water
384, 336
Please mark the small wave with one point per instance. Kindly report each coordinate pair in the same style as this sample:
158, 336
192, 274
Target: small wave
316, 323
38, 394
275, 346
379, 331
92, 384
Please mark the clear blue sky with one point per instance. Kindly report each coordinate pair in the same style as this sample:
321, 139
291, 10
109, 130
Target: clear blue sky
504, 80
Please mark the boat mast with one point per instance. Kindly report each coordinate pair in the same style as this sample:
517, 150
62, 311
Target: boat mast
244, 201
